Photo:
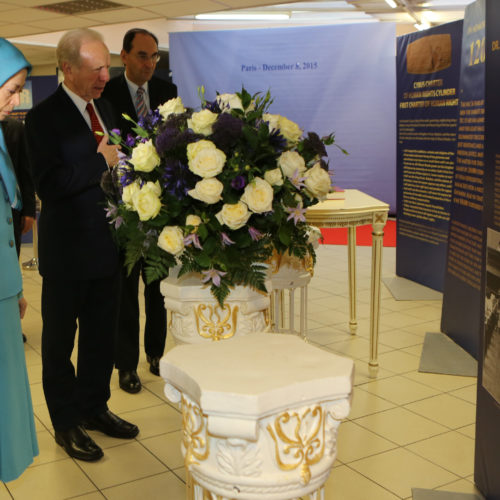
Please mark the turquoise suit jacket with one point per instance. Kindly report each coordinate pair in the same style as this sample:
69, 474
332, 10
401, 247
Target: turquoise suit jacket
10, 274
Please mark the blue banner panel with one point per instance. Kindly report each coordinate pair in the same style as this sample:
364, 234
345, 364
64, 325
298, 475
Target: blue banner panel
487, 460
461, 317
337, 79
428, 69
36, 89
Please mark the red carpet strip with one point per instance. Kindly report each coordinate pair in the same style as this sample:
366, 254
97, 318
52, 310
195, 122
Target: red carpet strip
338, 236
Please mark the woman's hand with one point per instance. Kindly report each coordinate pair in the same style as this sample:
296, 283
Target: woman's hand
23, 304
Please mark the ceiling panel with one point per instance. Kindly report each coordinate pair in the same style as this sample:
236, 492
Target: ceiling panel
21, 20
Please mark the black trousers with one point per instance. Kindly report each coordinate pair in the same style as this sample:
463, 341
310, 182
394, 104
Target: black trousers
71, 394
155, 329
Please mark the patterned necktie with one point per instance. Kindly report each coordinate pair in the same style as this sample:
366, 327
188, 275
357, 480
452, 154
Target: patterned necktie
94, 123
140, 103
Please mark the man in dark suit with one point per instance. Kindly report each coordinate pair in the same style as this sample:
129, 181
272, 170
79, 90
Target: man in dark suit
78, 260
13, 131
134, 93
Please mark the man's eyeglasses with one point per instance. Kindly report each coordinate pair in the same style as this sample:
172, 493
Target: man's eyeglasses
145, 58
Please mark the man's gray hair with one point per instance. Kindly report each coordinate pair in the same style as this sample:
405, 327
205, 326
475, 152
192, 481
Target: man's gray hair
68, 48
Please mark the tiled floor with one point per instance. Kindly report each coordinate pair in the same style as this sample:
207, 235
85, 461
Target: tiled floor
406, 429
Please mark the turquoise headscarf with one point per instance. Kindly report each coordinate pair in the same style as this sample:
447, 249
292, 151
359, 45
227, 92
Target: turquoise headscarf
13, 61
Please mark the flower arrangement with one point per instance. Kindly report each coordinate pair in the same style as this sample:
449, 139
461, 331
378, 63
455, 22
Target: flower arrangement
216, 191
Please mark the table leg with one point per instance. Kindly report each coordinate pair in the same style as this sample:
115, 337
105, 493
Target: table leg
351, 259
378, 225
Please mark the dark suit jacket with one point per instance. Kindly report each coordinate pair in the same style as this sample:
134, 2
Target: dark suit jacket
13, 131
75, 240
117, 93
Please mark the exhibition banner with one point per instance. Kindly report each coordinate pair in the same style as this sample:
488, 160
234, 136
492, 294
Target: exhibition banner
462, 284
428, 69
338, 79
484, 44
35, 90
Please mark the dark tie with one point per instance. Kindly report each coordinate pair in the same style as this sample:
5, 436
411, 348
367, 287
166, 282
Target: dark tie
140, 103
94, 122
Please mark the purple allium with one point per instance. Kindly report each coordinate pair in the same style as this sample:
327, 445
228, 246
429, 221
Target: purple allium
226, 130
212, 275
192, 239
170, 138
238, 183
298, 214
314, 144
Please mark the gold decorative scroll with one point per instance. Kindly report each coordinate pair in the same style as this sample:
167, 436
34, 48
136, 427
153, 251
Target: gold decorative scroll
194, 430
210, 323
299, 440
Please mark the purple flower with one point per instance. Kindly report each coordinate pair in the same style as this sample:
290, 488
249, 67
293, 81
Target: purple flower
226, 240
297, 180
116, 131
130, 140
213, 275
298, 214
177, 178
110, 211
126, 176
255, 234
118, 221
314, 144
192, 239
170, 138
226, 131
213, 106
238, 183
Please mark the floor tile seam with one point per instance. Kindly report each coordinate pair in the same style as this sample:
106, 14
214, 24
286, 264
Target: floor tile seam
442, 391
103, 490
155, 456
458, 476
434, 421
396, 445
371, 480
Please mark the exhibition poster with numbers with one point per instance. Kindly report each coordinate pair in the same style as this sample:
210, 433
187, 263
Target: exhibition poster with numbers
428, 69
472, 282
462, 299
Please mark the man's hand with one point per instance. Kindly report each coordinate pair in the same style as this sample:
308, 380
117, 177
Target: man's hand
109, 151
26, 223
22, 306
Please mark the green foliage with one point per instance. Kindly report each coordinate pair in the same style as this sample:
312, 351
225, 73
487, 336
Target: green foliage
235, 254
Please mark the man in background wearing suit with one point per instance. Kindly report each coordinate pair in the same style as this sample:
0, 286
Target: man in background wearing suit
135, 93
77, 257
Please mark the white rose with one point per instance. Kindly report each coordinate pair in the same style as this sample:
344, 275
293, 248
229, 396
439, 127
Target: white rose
289, 130
258, 195
171, 107
227, 102
202, 121
274, 177
234, 215
153, 186
290, 162
144, 157
272, 120
171, 240
204, 159
193, 220
317, 181
207, 190
128, 194
146, 202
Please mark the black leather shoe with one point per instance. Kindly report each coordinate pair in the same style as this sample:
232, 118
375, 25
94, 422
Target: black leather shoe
129, 381
112, 425
154, 364
78, 444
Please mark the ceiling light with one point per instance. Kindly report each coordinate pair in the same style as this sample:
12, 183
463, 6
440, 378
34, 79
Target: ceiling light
242, 17
391, 3
423, 25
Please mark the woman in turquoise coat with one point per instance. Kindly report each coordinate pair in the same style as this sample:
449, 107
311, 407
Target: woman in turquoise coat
18, 444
